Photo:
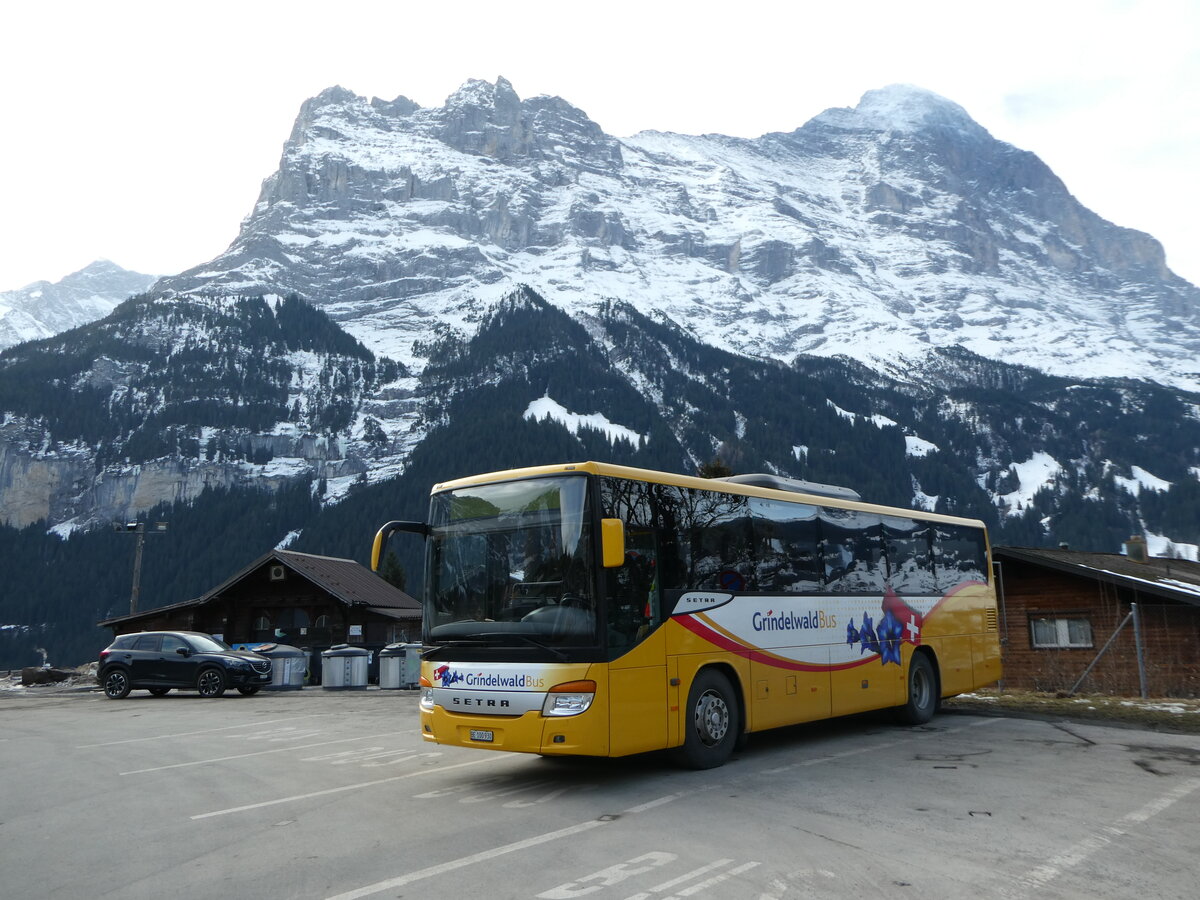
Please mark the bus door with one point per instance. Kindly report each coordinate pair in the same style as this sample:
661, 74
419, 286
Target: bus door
637, 648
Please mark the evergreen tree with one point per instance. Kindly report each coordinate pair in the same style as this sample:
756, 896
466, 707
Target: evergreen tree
392, 572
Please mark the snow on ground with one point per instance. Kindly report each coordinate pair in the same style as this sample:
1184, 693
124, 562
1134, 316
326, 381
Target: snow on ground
289, 539
922, 500
915, 446
1162, 546
545, 407
1141, 480
1035, 473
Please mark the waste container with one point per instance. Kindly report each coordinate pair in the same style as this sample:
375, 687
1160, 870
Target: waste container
289, 665
345, 668
400, 666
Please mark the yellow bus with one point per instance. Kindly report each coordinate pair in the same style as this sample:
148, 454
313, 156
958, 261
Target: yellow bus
601, 610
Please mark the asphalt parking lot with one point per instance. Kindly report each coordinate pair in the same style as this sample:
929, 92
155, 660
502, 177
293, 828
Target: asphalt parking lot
319, 794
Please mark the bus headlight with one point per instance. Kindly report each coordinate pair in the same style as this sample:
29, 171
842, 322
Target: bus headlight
569, 699
426, 694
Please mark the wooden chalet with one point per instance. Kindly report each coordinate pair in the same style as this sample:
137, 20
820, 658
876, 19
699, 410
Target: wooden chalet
307, 601
1060, 607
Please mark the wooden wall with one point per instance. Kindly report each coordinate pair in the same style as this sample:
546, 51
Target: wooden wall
1170, 636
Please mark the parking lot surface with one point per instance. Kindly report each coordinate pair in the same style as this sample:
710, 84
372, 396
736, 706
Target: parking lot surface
320, 794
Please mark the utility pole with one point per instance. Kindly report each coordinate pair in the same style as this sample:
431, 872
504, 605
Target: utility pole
139, 529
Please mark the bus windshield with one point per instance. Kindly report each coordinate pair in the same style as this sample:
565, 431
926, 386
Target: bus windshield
510, 565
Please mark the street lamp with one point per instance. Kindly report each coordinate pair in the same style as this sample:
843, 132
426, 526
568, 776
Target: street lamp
139, 529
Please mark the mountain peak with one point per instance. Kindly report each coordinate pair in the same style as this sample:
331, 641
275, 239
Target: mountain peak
333, 96
478, 92
41, 309
905, 107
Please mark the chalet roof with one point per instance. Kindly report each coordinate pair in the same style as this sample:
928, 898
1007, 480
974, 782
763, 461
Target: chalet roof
146, 613
351, 582
1175, 579
344, 579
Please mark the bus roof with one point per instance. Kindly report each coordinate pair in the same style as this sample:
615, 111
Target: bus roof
692, 481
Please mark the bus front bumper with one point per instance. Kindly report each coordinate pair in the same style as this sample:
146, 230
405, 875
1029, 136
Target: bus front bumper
584, 734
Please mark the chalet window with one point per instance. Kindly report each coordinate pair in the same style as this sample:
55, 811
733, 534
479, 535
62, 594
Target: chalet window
1060, 631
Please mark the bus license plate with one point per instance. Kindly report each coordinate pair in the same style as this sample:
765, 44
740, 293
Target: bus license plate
478, 735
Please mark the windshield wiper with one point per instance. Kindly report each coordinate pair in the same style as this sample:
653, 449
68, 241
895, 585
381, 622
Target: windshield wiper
527, 639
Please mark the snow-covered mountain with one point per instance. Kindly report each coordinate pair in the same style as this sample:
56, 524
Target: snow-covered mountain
886, 298
879, 233
41, 309
895, 253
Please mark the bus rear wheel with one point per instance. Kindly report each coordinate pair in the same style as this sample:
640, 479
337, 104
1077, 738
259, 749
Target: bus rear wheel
922, 692
713, 722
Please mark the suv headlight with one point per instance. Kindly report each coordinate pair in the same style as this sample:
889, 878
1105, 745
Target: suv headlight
569, 698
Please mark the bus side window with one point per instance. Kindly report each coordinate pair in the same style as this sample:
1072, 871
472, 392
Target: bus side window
635, 606
786, 547
960, 555
909, 556
725, 556
852, 551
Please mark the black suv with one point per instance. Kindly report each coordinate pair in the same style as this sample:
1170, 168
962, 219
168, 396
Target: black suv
161, 660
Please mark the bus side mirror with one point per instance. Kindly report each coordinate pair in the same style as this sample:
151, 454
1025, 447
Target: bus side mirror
612, 542
381, 538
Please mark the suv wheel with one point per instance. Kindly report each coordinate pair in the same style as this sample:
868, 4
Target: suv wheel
117, 684
211, 683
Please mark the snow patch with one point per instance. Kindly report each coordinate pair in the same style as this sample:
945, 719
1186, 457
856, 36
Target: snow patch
545, 407
1141, 479
1189, 587
288, 539
1035, 473
915, 446
1163, 547
922, 500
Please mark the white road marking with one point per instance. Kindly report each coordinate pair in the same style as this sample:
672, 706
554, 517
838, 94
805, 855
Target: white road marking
368, 757
464, 861
685, 877
659, 802
163, 737
711, 882
204, 762
609, 876
279, 735
346, 787
1036, 879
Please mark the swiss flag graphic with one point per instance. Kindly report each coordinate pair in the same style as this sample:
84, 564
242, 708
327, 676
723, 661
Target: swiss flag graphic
912, 623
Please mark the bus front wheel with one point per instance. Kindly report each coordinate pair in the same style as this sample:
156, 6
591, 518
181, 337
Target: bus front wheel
713, 721
922, 692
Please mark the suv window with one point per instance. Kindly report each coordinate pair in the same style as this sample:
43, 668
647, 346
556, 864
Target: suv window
148, 642
124, 642
171, 643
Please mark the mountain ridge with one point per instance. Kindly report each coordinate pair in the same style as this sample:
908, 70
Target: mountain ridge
316, 443
886, 234
42, 309
854, 233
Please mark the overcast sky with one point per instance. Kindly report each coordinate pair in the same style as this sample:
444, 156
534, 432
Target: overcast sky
141, 132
